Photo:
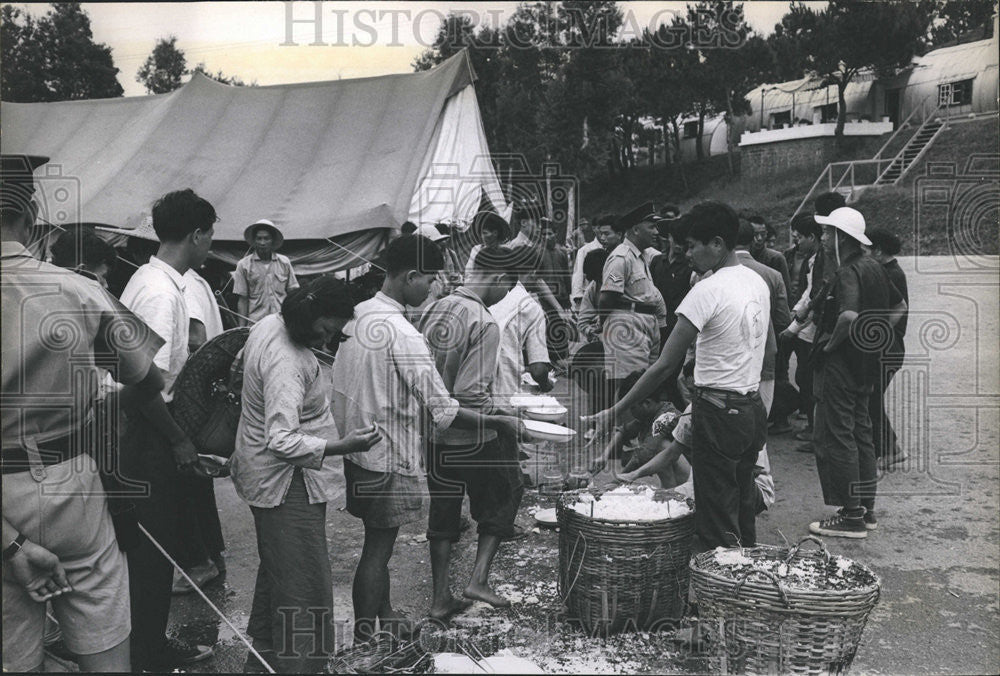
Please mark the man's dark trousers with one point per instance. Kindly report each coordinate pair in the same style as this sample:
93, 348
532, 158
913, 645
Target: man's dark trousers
728, 431
842, 436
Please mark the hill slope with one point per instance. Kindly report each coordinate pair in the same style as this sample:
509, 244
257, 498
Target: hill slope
777, 198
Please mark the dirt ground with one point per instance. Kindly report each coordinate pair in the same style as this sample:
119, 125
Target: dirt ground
937, 548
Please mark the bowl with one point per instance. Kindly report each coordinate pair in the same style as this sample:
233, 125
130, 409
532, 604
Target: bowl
547, 431
546, 413
547, 517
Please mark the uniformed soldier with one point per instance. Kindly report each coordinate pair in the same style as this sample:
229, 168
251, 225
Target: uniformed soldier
632, 308
60, 332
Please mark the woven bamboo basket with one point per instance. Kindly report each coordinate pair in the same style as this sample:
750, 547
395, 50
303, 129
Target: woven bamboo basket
623, 576
205, 405
758, 624
382, 654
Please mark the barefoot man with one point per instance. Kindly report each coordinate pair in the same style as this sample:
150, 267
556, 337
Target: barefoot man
385, 373
464, 339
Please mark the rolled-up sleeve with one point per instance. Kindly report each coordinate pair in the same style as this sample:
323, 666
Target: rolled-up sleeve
284, 391
415, 367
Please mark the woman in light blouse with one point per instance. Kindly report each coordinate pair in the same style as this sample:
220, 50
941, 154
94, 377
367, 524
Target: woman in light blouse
285, 434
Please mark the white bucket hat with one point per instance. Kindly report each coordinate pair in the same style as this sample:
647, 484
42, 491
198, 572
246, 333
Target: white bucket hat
847, 220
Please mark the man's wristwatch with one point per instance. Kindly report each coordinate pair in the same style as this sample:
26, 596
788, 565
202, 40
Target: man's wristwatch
14, 547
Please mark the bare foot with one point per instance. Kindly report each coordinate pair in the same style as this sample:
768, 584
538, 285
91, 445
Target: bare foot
484, 593
447, 610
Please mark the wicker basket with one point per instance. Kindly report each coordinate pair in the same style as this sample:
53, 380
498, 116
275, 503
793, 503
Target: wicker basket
623, 576
757, 625
382, 654
206, 403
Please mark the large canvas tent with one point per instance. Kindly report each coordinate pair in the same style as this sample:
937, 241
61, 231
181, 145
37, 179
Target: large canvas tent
336, 165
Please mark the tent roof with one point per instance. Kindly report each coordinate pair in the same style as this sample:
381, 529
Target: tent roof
319, 159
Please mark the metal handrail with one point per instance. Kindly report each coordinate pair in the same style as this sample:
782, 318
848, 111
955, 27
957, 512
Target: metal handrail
903, 124
900, 155
828, 170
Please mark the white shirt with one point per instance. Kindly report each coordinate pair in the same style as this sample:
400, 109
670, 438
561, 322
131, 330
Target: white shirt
384, 372
522, 332
519, 240
156, 294
731, 310
579, 284
471, 263
807, 330
201, 303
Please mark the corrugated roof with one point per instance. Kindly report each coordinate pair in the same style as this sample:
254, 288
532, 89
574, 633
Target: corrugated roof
958, 62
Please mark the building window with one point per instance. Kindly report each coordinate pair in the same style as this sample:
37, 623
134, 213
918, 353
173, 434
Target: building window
691, 130
827, 113
955, 93
779, 120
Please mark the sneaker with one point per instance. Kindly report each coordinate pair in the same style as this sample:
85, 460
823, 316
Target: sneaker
177, 653
201, 574
840, 526
804, 448
871, 523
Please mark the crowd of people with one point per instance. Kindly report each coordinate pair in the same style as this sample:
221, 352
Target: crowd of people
678, 327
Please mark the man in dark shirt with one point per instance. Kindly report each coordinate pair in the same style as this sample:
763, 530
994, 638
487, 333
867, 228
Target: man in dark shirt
554, 265
762, 254
670, 270
885, 246
859, 295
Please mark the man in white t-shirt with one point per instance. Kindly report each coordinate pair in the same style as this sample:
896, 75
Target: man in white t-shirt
727, 315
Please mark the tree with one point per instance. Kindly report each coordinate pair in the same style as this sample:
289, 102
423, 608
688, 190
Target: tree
958, 21
727, 73
164, 67
54, 58
849, 37
788, 43
592, 88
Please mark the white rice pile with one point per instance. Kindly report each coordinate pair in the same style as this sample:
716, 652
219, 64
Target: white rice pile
624, 504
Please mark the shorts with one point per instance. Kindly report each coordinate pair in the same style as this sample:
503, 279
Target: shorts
70, 519
491, 480
382, 499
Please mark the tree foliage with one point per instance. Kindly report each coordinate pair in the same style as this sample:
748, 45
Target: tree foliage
571, 82
962, 21
164, 68
53, 57
848, 37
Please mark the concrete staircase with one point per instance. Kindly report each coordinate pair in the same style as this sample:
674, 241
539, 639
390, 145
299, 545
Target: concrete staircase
911, 152
853, 177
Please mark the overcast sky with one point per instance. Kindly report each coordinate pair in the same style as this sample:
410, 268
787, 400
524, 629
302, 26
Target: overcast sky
362, 39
